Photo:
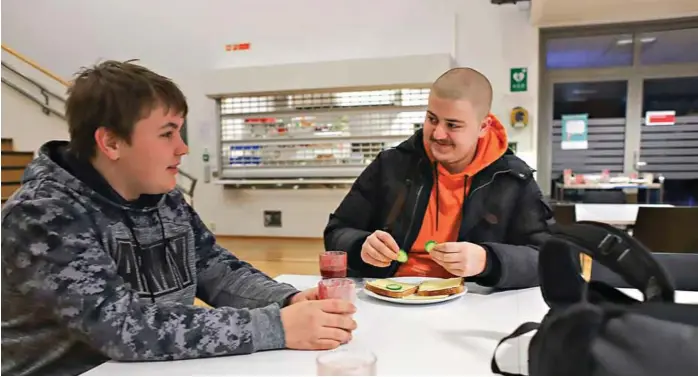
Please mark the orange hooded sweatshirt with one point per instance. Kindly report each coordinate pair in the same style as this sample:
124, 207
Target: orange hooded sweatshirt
444, 212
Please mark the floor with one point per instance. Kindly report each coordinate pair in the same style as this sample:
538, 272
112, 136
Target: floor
276, 256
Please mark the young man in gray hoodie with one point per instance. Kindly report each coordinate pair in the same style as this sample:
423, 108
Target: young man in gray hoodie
102, 257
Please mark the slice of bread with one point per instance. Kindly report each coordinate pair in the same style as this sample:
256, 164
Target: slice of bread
441, 287
391, 288
414, 297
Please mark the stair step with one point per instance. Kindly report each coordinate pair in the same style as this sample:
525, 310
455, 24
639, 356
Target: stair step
12, 173
8, 188
14, 158
7, 145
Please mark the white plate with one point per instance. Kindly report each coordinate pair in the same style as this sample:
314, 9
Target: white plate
413, 280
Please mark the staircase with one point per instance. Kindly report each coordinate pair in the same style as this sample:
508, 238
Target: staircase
13, 164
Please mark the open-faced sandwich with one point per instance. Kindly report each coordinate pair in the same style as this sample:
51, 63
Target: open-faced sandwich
428, 289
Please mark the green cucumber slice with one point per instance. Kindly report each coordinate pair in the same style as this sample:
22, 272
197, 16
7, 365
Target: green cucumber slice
402, 256
429, 246
394, 287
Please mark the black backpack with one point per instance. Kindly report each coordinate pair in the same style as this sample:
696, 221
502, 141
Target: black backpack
593, 328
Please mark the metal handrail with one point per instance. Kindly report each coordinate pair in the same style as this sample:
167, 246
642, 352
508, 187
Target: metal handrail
29, 79
35, 65
23, 92
47, 109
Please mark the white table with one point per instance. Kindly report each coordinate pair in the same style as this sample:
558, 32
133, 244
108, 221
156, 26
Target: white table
613, 214
453, 338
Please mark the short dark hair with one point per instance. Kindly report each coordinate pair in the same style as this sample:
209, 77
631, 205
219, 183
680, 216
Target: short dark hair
115, 95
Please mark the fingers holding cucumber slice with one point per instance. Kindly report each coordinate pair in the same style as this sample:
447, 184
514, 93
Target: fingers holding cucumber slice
402, 256
429, 246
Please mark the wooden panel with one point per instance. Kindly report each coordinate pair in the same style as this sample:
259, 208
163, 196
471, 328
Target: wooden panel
7, 144
9, 188
12, 174
16, 158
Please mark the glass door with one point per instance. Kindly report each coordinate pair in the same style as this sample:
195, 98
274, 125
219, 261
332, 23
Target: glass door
669, 136
599, 107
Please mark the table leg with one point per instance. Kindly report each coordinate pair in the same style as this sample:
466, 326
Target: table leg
661, 193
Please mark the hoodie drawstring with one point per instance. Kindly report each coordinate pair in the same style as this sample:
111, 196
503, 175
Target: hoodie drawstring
436, 180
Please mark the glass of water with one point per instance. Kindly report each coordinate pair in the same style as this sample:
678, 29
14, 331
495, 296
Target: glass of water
346, 362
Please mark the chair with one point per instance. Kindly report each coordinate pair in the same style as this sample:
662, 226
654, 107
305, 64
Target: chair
668, 229
565, 214
681, 267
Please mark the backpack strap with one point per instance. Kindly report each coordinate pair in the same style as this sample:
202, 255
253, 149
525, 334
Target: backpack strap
525, 328
561, 282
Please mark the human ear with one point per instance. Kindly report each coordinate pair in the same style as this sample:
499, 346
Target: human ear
108, 143
484, 125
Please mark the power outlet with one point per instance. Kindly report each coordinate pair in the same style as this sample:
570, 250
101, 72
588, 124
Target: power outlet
272, 219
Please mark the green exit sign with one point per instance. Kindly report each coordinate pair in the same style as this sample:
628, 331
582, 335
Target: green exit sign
518, 79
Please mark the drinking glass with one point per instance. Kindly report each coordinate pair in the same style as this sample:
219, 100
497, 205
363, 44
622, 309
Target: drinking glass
333, 264
346, 362
339, 288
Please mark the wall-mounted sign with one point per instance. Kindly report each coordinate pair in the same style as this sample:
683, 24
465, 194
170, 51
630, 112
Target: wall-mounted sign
237, 47
660, 118
518, 79
518, 117
574, 131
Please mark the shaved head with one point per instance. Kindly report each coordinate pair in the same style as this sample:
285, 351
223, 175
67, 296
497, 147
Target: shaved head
465, 84
456, 118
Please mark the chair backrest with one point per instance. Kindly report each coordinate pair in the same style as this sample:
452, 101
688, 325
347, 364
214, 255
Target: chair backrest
564, 214
668, 229
681, 267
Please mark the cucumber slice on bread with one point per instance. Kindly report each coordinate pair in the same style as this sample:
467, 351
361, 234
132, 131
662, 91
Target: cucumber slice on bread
429, 246
402, 256
394, 287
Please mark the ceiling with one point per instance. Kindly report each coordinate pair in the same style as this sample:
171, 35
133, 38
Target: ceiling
559, 13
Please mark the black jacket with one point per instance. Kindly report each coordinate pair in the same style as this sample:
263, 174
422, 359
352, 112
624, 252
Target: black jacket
504, 212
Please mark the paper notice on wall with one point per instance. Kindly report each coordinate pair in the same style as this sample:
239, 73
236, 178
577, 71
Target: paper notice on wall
575, 131
660, 118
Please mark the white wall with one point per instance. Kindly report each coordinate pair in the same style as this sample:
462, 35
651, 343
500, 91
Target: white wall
186, 39
22, 119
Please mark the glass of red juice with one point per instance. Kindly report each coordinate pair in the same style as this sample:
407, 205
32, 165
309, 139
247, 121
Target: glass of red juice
333, 264
338, 288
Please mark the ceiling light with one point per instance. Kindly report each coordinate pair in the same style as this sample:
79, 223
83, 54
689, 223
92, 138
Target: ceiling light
622, 42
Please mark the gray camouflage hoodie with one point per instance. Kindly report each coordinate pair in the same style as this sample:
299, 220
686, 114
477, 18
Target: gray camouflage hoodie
87, 277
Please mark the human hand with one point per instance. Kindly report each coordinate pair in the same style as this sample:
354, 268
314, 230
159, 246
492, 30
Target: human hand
379, 249
318, 325
306, 295
460, 258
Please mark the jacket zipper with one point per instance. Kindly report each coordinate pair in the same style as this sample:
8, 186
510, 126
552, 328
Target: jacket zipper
489, 182
470, 194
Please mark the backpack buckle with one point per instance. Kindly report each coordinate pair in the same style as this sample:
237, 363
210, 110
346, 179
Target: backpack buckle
608, 243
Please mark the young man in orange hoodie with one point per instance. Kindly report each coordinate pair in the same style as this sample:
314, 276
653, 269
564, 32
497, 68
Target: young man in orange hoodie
454, 184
